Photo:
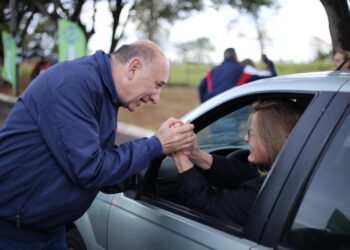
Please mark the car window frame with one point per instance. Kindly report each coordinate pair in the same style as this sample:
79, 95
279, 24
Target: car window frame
287, 201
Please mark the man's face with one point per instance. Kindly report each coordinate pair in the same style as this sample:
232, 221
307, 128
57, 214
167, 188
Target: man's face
146, 84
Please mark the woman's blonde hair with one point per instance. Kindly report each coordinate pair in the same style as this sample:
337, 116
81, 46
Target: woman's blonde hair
274, 121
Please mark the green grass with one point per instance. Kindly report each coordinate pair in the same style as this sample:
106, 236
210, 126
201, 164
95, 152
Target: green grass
191, 74
187, 74
292, 68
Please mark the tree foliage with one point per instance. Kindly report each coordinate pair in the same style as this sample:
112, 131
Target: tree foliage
35, 22
151, 15
253, 9
195, 51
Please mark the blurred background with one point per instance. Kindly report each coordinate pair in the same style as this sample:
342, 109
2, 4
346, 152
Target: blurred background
299, 36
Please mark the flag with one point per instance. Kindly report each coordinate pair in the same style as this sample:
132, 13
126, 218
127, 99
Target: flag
9, 67
71, 41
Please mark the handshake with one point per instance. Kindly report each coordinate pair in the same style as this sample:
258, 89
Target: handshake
177, 138
175, 135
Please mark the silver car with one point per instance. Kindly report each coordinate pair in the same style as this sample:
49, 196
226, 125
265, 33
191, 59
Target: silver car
303, 204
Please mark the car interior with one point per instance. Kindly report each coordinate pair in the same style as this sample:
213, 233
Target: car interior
219, 131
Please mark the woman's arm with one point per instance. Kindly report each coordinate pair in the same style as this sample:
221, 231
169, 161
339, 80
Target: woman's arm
232, 206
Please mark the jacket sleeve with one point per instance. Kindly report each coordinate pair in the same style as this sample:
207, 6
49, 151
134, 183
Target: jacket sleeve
72, 131
229, 173
232, 206
252, 74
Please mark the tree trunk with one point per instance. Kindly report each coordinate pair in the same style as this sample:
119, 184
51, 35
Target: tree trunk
116, 11
339, 23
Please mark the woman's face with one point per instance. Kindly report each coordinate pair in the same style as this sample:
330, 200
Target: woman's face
258, 153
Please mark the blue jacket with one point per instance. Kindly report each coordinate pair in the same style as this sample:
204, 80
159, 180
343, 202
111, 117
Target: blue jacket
57, 148
230, 74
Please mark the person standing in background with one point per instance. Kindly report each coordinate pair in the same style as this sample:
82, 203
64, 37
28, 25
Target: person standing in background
230, 73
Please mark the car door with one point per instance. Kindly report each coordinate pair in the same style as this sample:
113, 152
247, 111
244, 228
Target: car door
313, 208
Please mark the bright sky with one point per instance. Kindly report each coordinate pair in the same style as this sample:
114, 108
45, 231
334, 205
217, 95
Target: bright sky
290, 29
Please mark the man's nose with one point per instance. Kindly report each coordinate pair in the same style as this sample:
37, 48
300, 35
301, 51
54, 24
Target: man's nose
155, 97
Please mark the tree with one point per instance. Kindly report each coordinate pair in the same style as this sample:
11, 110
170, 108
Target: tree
253, 9
69, 10
150, 16
16, 22
338, 14
116, 7
192, 52
38, 19
195, 51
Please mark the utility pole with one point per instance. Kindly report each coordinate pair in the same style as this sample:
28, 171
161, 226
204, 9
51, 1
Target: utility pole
13, 32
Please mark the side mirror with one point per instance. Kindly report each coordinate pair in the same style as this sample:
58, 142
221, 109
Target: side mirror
127, 184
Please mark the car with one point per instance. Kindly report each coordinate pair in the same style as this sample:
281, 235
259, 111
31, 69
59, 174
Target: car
304, 202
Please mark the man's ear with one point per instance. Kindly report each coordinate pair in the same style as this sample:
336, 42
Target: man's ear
133, 65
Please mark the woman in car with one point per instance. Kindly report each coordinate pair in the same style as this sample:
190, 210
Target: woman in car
270, 123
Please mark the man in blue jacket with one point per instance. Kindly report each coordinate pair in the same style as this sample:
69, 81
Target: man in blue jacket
57, 145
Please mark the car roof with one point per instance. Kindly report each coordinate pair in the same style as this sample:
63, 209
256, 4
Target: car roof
314, 82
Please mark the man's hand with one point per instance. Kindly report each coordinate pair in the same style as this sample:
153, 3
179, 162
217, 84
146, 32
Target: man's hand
180, 158
175, 138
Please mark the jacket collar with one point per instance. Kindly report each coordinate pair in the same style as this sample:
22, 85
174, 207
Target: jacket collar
105, 67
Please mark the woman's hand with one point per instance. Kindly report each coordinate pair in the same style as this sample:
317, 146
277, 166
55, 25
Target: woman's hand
182, 161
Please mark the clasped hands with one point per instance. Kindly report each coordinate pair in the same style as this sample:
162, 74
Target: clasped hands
178, 140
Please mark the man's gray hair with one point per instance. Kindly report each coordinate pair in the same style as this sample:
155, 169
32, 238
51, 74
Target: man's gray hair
128, 51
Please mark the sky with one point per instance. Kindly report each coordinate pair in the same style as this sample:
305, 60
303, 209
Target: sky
291, 30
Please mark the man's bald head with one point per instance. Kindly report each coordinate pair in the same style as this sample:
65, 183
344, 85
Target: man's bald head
144, 49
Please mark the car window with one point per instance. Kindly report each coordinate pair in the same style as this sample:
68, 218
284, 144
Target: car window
226, 131
323, 218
